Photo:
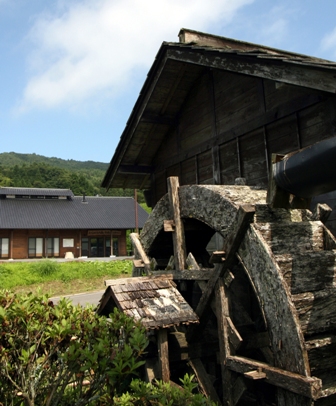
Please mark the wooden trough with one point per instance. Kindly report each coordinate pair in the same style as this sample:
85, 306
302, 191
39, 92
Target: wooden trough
266, 303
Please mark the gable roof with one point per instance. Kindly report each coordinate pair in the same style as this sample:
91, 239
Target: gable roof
174, 71
153, 300
92, 213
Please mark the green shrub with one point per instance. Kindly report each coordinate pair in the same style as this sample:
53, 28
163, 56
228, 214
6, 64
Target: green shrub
163, 394
63, 354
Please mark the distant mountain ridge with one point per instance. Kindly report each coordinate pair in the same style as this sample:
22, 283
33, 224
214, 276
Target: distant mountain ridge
8, 159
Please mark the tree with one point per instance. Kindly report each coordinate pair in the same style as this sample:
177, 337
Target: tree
63, 354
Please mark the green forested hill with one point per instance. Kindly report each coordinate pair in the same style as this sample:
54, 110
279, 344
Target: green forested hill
13, 158
31, 170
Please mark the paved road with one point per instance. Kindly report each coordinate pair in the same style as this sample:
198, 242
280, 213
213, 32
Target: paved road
83, 298
86, 297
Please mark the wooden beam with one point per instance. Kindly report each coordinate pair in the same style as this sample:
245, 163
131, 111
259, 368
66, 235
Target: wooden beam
222, 307
178, 234
132, 125
255, 374
233, 334
140, 252
238, 390
135, 169
310, 387
273, 69
162, 338
168, 226
244, 217
204, 380
217, 257
189, 275
157, 119
322, 212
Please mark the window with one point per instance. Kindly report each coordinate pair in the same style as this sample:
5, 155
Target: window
4, 247
68, 242
53, 247
35, 247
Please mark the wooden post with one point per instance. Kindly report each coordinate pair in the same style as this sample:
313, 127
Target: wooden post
178, 233
162, 339
222, 306
140, 252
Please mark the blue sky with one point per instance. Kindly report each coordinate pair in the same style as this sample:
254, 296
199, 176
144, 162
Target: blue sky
72, 70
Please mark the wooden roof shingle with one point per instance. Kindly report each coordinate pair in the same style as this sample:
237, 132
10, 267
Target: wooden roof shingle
152, 300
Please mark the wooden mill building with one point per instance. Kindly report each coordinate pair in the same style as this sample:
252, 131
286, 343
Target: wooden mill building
212, 116
214, 109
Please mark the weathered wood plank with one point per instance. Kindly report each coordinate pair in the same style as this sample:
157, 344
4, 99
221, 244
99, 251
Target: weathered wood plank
309, 271
238, 390
266, 214
255, 374
178, 234
322, 358
217, 257
233, 334
303, 385
139, 251
204, 381
223, 313
292, 75
120, 281
287, 344
322, 212
329, 239
316, 310
293, 237
219, 215
244, 216
169, 226
163, 354
188, 275
192, 263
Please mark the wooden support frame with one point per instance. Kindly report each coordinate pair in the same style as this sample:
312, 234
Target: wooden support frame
217, 257
222, 306
203, 379
244, 217
307, 386
162, 340
188, 275
178, 234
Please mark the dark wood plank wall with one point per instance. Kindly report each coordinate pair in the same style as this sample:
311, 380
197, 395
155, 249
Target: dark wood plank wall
231, 124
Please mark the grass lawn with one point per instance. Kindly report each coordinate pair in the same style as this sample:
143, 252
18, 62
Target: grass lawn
60, 278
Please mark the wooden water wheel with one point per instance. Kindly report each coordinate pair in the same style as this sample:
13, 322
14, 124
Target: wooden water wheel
266, 302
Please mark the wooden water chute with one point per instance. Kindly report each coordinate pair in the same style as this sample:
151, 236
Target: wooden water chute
156, 302
266, 302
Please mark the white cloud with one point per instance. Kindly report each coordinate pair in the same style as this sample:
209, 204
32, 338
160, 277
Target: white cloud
328, 42
91, 47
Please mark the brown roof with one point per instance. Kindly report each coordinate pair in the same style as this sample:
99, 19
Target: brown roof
153, 300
